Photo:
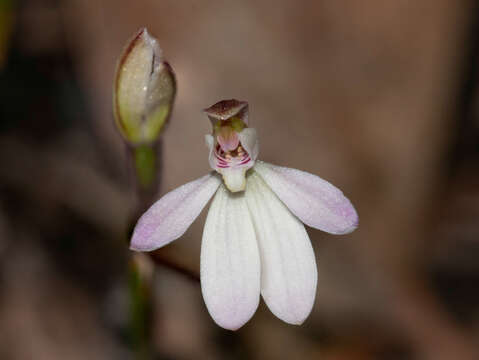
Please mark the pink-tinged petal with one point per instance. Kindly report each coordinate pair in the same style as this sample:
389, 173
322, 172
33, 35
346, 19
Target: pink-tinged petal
230, 267
288, 266
169, 218
249, 140
313, 200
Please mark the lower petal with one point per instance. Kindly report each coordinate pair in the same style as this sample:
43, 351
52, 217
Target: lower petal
230, 267
288, 266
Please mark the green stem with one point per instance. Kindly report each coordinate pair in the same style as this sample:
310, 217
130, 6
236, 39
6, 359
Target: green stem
145, 165
141, 309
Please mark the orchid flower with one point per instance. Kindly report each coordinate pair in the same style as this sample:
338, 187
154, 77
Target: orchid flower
254, 241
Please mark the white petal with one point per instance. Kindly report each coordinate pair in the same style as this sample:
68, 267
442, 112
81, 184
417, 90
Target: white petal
249, 141
169, 218
288, 266
210, 143
230, 267
313, 200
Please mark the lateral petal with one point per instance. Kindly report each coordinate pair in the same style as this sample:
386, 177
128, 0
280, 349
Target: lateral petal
230, 267
313, 200
249, 139
170, 217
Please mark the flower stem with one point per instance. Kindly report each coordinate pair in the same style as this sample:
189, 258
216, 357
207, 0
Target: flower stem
141, 308
145, 166
145, 160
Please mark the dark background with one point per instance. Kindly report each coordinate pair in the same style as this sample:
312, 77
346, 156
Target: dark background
378, 97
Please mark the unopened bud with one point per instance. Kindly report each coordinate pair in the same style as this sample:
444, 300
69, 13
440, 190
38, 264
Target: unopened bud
144, 90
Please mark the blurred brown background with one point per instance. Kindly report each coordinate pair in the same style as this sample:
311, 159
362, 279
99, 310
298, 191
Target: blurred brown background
378, 97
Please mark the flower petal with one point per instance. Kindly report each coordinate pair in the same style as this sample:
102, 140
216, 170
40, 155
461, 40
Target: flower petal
230, 267
210, 144
288, 266
313, 200
249, 140
169, 218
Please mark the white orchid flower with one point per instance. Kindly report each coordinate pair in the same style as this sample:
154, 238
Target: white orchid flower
254, 241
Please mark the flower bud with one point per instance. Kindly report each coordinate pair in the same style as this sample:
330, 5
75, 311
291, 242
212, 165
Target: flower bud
144, 90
